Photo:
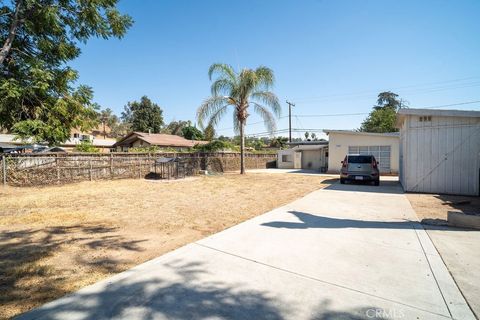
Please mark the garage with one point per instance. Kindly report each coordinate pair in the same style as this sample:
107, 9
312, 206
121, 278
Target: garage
383, 146
381, 153
440, 151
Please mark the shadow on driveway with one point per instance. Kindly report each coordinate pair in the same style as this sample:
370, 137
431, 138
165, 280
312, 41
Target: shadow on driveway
391, 187
153, 297
310, 221
188, 297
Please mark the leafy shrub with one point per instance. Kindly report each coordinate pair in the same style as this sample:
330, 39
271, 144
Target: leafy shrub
216, 145
86, 146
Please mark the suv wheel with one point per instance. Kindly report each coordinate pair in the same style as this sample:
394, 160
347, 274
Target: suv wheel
342, 181
377, 182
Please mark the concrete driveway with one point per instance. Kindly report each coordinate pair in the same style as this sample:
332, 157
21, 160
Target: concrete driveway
344, 252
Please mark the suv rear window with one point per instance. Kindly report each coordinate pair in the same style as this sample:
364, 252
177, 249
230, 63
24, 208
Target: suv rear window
359, 159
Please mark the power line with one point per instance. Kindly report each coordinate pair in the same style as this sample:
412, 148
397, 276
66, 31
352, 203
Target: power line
355, 114
370, 93
451, 105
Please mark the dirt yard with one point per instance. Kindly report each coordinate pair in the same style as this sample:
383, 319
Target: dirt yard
55, 240
433, 208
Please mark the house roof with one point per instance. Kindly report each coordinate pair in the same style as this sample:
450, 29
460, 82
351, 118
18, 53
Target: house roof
158, 139
4, 145
386, 134
10, 139
105, 143
403, 112
437, 112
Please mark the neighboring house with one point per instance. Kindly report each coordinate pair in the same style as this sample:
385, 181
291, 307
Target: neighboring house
144, 140
312, 155
8, 147
104, 145
8, 143
384, 146
439, 151
100, 132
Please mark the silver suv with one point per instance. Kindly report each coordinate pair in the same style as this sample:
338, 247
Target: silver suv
358, 167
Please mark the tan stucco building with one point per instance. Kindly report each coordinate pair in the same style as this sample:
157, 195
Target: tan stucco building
310, 155
384, 146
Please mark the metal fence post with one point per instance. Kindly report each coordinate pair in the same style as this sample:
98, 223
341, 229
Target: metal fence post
4, 170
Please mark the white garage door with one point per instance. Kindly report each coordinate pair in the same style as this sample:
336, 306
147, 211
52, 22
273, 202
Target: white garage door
381, 153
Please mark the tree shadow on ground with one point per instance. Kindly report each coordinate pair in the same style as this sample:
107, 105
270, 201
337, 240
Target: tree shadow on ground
28, 279
311, 221
172, 291
325, 312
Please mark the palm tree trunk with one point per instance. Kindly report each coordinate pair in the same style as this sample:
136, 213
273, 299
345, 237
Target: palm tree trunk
242, 147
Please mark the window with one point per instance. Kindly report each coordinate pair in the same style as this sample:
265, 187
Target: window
381, 153
425, 118
76, 135
359, 159
286, 158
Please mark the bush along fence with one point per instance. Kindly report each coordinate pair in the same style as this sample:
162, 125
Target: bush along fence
48, 169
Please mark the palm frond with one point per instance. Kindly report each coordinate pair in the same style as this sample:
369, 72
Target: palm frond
265, 77
223, 71
222, 86
247, 83
209, 107
267, 116
269, 99
215, 117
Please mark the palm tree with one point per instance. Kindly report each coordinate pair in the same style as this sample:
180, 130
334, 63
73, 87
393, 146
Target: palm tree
240, 91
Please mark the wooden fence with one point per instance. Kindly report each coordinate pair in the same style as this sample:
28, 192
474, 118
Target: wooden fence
46, 169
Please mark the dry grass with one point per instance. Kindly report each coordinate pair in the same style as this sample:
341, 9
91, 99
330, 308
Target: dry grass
433, 208
55, 240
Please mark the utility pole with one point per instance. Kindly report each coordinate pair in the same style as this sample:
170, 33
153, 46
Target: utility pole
290, 105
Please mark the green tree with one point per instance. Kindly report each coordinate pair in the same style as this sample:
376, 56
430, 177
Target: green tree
144, 115
192, 133
209, 133
176, 127
383, 116
278, 142
240, 91
307, 135
108, 117
118, 128
38, 38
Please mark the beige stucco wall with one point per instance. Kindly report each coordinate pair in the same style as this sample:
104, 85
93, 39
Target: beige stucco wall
295, 159
338, 144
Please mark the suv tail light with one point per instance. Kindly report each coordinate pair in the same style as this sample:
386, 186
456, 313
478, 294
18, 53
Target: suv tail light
345, 163
374, 163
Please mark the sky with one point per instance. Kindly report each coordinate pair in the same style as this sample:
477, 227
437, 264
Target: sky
330, 57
